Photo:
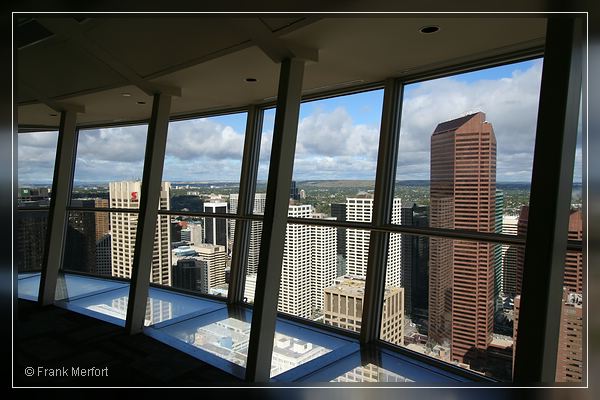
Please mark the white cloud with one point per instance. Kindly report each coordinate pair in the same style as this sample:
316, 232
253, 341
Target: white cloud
330, 144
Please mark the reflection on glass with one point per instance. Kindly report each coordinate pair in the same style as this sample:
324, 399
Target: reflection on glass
228, 338
161, 305
29, 288
30, 239
370, 373
69, 286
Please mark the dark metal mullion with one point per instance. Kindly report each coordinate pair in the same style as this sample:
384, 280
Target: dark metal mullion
550, 198
249, 172
202, 214
382, 211
460, 234
60, 198
260, 347
149, 203
104, 209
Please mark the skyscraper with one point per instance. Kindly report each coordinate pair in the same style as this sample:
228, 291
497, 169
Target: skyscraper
344, 304
31, 226
103, 246
509, 257
215, 229
360, 208
255, 228
463, 194
200, 267
123, 225
309, 264
294, 194
338, 211
569, 362
499, 212
415, 262
80, 249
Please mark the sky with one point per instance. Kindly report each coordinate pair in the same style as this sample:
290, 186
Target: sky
337, 137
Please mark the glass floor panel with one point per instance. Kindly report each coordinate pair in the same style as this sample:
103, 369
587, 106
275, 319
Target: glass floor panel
67, 286
28, 287
382, 367
70, 286
162, 305
23, 275
225, 335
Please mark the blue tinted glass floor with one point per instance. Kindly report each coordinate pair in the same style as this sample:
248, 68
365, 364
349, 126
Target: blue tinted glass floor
222, 337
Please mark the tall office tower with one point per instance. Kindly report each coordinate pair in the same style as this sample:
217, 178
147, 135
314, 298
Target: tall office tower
509, 257
126, 194
296, 268
522, 231
344, 304
499, 212
338, 211
103, 258
102, 218
255, 227
360, 208
31, 226
323, 261
463, 194
294, 193
569, 363
200, 267
215, 229
415, 262
309, 265
80, 250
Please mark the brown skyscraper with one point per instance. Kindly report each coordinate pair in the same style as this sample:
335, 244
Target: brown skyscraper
461, 273
569, 362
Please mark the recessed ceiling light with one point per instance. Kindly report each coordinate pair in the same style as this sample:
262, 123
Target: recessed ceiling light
429, 29
251, 80
141, 102
126, 94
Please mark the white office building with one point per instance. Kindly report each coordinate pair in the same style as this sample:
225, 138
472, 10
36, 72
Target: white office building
360, 209
123, 226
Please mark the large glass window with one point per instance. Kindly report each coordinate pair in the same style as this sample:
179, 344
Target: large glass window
324, 266
36, 156
203, 161
109, 167
464, 163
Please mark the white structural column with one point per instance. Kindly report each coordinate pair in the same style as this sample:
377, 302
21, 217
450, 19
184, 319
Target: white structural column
60, 197
148, 213
260, 348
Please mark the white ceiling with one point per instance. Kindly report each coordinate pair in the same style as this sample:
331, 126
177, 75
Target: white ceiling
92, 63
